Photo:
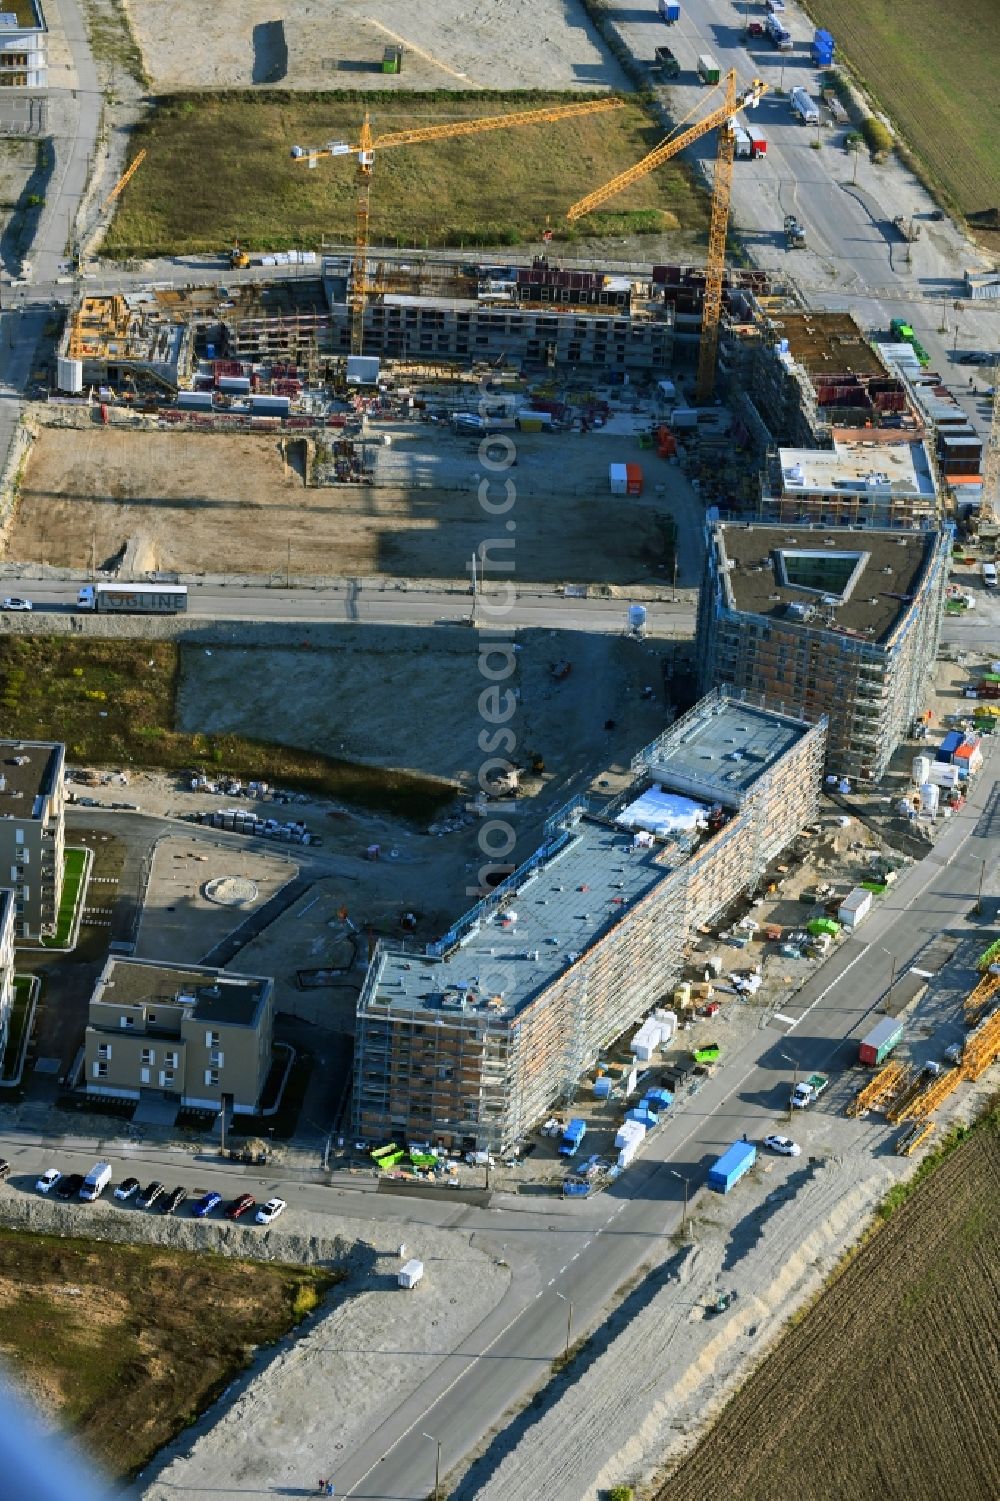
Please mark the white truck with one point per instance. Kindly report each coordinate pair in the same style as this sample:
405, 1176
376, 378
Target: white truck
96, 1181
133, 599
805, 108
809, 1090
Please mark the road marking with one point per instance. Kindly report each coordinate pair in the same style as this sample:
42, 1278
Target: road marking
780, 1017
573, 1258
550, 1282
925, 974
833, 983
562, 1271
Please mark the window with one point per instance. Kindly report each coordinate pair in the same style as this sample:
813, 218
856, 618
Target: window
148, 1055
100, 1070
211, 1076
126, 1021
166, 1077
212, 1039
217, 1058
144, 1076
170, 1060
104, 1050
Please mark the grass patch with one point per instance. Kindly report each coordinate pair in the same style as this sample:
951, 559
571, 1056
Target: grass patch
112, 42
940, 92
219, 169
16, 1025
76, 1324
118, 698
74, 865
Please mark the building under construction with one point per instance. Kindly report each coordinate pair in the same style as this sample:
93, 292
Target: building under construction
540, 314
827, 620
874, 480
467, 1043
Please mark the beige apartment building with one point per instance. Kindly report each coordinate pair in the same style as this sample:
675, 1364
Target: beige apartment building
180, 1033
32, 801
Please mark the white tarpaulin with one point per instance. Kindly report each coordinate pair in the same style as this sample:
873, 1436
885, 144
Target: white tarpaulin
661, 812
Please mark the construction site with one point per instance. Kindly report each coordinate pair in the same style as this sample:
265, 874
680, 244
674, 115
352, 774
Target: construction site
467, 1043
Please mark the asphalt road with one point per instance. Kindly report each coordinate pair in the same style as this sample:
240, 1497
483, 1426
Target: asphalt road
584, 1254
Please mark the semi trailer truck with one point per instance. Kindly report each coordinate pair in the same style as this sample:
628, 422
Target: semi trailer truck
133, 599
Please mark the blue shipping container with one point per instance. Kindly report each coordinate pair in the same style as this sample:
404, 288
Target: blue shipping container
670, 11
644, 1117
572, 1137
949, 745
663, 1096
731, 1166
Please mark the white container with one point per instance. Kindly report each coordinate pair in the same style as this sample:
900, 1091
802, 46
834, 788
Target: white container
921, 769
618, 478
630, 1133
855, 907
930, 797
69, 375
943, 774
627, 1153
410, 1274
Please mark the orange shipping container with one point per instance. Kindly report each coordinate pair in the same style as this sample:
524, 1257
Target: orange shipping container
633, 473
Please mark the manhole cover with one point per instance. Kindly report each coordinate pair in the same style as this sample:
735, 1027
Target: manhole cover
231, 891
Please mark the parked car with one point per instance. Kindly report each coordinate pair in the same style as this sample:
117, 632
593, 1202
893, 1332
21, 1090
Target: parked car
268, 1213
14, 603
150, 1194
175, 1198
205, 1205
239, 1207
126, 1188
783, 1145
69, 1187
48, 1180
4, 1169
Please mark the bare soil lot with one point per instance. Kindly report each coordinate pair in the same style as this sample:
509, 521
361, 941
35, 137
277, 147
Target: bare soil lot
316, 44
887, 1388
211, 503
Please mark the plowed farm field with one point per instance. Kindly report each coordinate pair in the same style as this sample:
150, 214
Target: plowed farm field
936, 78
887, 1389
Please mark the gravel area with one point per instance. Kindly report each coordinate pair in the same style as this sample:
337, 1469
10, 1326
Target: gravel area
498, 44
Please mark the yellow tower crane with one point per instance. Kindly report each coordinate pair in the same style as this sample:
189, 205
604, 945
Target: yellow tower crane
715, 268
369, 144
125, 177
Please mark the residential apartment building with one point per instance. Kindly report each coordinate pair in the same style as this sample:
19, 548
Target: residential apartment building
843, 622
32, 801
6, 965
179, 1032
466, 1044
23, 46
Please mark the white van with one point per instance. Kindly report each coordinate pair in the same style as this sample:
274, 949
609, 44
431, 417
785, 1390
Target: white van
96, 1181
990, 575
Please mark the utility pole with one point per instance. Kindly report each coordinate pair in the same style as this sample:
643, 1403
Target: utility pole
569, 1321
982, 878
437, 1465
684, 1215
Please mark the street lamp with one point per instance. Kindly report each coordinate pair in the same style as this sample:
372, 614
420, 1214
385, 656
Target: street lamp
685, 1181
891, 956
569, 1319
437, 1464
795, 1080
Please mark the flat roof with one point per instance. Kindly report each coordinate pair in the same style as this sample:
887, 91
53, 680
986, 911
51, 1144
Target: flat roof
219, 996
507, 951
721, 748
29, 769
826, 343
886, 569
857, 467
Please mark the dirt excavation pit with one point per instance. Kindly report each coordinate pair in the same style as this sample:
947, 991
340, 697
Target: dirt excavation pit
209, 503
514, 44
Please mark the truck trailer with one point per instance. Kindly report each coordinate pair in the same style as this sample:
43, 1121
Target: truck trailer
133, 599
880, 1041
731, 1166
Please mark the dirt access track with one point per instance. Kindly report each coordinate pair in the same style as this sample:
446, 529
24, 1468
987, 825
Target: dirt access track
208, 503
498, 44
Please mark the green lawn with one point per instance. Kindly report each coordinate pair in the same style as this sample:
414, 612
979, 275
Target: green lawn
74, 865
936, 73
16, 1026
218, 169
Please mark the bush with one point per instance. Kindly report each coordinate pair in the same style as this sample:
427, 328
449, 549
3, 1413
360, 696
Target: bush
877, 136
621, 1493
